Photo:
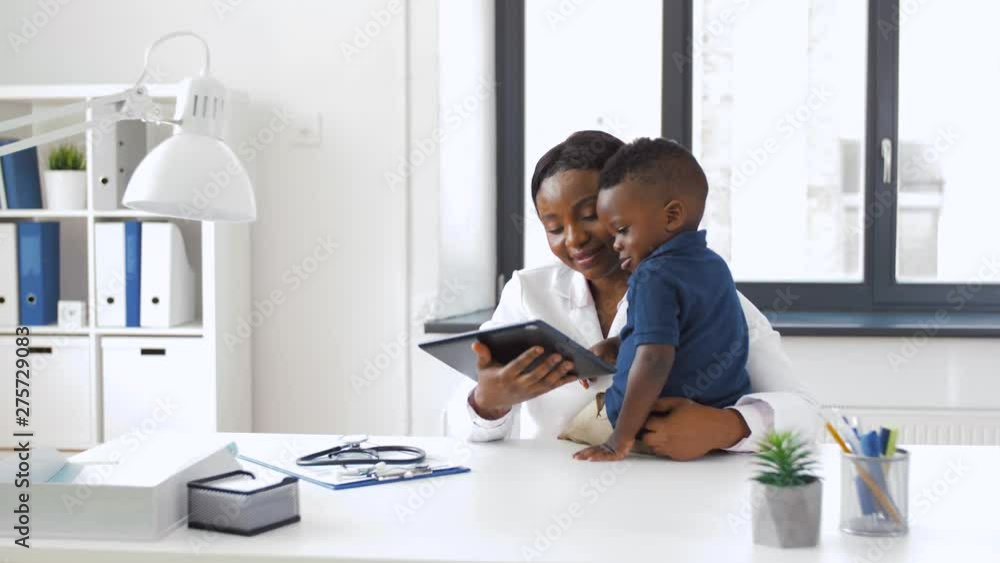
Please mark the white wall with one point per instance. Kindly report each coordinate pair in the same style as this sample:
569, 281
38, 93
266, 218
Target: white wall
288, 56
453, 199
916, 373
937, 390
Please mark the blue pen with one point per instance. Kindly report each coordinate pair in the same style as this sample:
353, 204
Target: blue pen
851, 437
853, 427
871, 448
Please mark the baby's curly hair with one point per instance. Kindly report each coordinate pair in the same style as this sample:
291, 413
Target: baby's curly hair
657, 162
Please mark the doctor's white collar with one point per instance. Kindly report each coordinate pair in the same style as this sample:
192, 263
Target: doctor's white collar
572, 285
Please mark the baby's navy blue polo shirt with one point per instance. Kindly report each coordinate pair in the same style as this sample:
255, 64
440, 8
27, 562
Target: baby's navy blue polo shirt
683, 294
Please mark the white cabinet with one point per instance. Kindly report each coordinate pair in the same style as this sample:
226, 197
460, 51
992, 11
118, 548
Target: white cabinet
157, 384
207, 364
63, 394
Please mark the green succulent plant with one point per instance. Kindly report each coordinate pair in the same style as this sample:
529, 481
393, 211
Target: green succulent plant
67, 157
784, 461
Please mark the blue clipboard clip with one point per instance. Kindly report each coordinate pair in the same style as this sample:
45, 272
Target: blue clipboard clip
378, 477
373, 476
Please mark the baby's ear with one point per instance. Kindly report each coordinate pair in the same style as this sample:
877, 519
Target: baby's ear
674, 215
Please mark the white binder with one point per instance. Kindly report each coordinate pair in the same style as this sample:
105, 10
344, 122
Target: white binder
167, 281
109, 245
9, 296
115, 152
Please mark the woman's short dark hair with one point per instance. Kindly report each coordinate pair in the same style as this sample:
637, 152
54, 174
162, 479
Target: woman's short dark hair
583, 150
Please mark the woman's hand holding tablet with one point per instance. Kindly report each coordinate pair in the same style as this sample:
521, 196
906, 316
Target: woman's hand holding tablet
503, 386
509, 343
515, 363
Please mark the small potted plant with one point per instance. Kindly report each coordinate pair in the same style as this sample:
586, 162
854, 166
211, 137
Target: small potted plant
66, 179
787, 495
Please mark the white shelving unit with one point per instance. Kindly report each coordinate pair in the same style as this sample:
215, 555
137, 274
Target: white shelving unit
83, 396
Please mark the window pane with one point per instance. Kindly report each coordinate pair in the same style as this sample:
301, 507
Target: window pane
947, 229
779, 123
588, 65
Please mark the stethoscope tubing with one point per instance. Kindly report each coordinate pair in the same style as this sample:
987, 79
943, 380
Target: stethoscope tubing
316, 459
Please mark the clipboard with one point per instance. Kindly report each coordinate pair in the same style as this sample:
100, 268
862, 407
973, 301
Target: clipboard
358, 483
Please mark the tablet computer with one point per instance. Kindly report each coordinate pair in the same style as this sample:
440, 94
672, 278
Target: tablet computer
508, 342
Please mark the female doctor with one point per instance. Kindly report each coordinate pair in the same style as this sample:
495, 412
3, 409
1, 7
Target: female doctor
584, 296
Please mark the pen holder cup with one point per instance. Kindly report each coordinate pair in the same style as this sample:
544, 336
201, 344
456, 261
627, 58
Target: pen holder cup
874, 493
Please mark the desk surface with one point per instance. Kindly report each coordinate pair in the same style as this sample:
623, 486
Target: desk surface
527, 500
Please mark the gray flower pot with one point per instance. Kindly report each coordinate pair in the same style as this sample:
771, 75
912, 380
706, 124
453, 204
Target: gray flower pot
787, 516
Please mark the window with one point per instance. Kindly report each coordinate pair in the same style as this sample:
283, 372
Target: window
578, 76
847, 143
779, 126
947, 229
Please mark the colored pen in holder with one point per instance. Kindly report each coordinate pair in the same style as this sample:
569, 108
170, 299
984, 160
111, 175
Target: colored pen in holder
874, 493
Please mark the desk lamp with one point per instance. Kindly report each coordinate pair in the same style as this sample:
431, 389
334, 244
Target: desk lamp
174, 179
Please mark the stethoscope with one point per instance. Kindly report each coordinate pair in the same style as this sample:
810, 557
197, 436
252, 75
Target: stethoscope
352, 452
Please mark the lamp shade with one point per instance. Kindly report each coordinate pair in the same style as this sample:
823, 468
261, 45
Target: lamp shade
192, 176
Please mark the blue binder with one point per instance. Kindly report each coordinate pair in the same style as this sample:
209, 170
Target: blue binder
133, 259
20, 178
38, 266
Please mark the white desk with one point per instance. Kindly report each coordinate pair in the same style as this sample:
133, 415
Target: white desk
518, 492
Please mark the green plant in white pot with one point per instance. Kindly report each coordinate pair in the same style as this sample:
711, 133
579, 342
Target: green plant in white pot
787, 495
66, 179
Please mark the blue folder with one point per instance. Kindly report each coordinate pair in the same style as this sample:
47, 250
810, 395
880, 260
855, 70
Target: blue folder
133, 259
38, 268
20, 178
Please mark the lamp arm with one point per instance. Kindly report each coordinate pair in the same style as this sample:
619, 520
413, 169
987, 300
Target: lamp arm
56, 134
61, 111
133, 103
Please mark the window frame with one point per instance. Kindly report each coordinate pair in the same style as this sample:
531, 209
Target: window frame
878, 291
888, 293
509, 60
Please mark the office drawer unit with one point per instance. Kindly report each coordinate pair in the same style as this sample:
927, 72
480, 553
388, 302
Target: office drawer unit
63, 393
157, 384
